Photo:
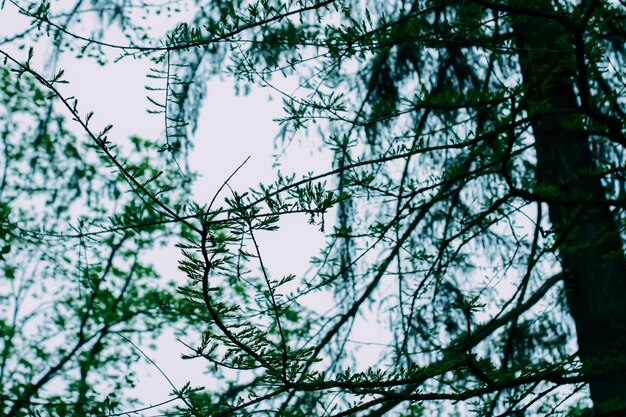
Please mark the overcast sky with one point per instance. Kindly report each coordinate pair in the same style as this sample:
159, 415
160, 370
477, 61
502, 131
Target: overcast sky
230, 129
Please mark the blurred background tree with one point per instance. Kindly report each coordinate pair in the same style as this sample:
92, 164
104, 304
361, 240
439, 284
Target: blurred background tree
475, 210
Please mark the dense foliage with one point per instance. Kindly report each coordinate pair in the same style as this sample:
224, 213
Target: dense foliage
474, 214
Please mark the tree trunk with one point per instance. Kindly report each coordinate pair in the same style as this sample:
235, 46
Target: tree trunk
588, 239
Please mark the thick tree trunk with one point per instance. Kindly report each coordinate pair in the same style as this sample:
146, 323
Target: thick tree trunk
588, 239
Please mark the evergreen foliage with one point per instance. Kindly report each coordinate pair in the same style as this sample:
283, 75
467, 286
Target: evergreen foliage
474, 211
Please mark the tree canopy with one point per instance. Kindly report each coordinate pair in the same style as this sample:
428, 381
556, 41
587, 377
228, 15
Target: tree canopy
474, 212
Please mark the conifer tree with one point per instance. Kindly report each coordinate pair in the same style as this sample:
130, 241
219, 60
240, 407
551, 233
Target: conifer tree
474, 211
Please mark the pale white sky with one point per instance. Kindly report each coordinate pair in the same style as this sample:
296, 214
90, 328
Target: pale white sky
230, 129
